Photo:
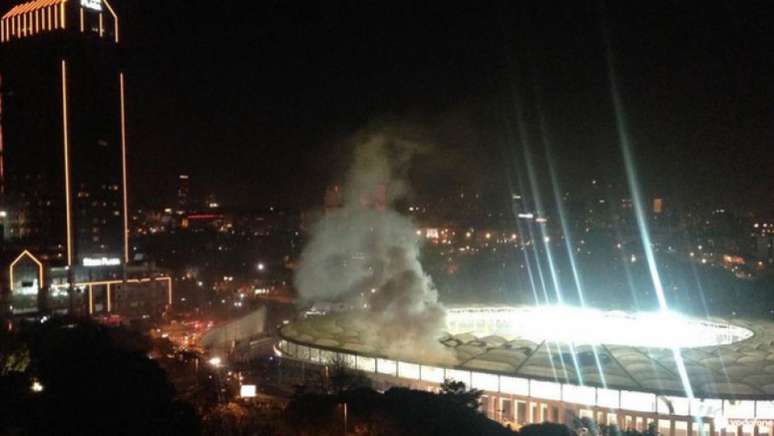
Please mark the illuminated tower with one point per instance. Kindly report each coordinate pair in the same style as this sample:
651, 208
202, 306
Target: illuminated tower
64, 144
183, 191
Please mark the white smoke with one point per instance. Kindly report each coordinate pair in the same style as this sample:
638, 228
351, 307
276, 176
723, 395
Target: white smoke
366, 254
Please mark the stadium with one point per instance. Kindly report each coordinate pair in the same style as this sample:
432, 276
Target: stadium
547, 363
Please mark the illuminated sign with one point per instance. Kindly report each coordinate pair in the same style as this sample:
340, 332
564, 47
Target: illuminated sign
247, 391
95, 5
739, 422
101, 261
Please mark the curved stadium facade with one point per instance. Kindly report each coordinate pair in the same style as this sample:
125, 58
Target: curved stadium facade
538, 364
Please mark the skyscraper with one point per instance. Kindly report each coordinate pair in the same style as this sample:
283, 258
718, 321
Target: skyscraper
63, 146
183, 192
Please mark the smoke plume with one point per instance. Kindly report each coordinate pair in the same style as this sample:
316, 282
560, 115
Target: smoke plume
366, 254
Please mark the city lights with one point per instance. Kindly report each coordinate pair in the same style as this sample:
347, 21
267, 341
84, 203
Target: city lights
122, 89
570, 222
102, 261
36, 387
247, 391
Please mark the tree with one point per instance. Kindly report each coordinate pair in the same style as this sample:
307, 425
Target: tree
589, 427
97, 380
343, 378
585, 425
399, 411
546, 429
14, 354
457, 392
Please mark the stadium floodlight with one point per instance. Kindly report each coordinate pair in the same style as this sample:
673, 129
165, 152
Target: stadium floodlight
585, 326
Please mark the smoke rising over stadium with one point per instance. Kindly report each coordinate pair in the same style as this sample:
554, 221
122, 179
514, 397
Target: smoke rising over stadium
366, 254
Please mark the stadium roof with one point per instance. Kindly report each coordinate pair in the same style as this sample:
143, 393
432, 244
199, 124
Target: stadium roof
743, 370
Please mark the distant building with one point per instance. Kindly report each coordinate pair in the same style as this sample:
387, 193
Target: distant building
518, 208
658, 206
212, 202
764, 247
375, 198
183, 192
64, 170
333, 198
763, 240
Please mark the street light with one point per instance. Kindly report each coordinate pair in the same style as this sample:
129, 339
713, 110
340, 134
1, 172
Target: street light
216, 362
36, 387
346, 416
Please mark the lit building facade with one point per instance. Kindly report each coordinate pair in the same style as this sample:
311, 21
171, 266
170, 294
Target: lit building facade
183, 192
63, 169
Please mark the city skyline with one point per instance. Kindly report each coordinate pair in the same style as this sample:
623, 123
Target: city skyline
65, 211
393, 218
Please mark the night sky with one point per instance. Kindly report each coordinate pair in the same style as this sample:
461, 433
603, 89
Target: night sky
255, 99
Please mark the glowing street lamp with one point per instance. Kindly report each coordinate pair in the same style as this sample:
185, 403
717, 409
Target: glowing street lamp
36, 387
216, 362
